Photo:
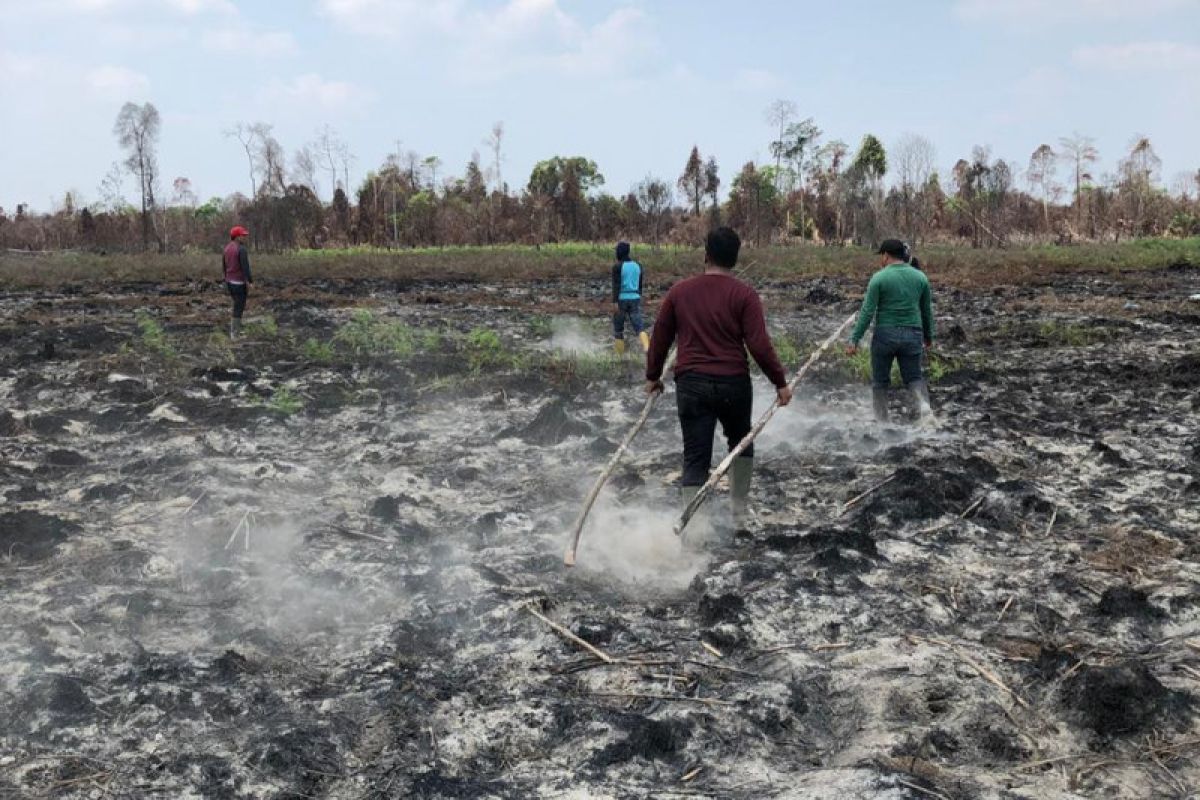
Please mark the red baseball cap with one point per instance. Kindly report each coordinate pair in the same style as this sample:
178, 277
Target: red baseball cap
237, 231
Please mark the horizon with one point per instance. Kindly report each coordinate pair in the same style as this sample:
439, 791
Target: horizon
630, 85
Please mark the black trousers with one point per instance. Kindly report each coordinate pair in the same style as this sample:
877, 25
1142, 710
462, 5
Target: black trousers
238, 292
703, 401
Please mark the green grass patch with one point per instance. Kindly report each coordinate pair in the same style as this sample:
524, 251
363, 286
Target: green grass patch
154, 338
262, 327
285, 402
318, 351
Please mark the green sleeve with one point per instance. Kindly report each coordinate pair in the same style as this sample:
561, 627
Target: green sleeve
927, 311
869, 305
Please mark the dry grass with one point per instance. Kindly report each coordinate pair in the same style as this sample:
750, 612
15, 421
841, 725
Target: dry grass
948, 266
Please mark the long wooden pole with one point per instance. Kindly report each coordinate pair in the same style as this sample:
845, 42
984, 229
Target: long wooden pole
748, 439
613, 461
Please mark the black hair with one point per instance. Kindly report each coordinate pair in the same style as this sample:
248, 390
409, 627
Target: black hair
915, 262
722, 247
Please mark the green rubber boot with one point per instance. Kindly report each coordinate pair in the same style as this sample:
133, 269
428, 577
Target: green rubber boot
739, 493
879, 398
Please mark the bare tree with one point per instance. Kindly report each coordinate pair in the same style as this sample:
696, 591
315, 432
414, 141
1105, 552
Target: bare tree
112, 195
912, 159
327, 148
691, 182
712, 185
1080, 153
346, 158
137, 128
304, 168
1139, 175
183, 195
432, 164
494, 143
245, 135
778, 115
1042, 166
654, 197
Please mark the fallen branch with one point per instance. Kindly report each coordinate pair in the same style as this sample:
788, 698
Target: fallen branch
983, 671
971, 508
850, 504
671, 697
566, 634
749, 438
613, 461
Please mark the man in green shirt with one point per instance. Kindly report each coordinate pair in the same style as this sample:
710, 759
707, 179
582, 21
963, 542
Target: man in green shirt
900, 303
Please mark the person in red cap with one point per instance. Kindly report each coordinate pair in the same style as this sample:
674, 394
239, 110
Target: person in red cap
236, 261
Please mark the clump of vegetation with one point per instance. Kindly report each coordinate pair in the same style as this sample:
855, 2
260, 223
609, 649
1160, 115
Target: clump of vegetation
366, 335
218, 349
788, 350
154, 338
284, 401
318, 351
484, 349
263, 327
540, 327
1065, 334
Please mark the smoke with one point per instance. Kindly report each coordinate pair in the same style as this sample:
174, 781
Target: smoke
635, 544
266, 577
575, 335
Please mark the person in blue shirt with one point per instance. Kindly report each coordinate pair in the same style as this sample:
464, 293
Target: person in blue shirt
627, 278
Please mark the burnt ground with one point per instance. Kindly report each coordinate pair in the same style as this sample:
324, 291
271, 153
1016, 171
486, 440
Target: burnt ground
267, 571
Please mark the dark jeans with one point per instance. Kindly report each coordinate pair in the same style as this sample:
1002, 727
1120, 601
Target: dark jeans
903, 344
631, 309
703, 401
238, 292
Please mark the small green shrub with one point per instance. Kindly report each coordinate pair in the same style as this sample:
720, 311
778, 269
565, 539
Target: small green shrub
263, 327
788, 350
484, 349
1066, 334
284, 401
430, 341
540, 327
154, 338
367, 336
318, 351
219, 349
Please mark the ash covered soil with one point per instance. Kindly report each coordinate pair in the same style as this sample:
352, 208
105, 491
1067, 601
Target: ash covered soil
269, 569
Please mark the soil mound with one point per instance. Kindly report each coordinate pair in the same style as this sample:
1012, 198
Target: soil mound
822, 296
32, 535
1126, 602
723, 608
552, 425
648, 738
1119, 700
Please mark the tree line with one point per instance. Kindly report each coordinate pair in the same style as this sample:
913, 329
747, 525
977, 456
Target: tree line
812, 189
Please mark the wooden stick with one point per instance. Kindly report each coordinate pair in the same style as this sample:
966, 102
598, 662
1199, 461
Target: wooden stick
237, 529
865, 494
983, 671
711, 649
1004, 610
971, 508
1053, 517
749, 438
613, 461
566, 634
916, 788
691, 775
680, 698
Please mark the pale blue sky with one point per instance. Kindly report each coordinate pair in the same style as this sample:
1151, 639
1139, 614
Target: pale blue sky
630, 84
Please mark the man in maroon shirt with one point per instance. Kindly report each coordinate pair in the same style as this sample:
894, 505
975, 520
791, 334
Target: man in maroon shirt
235, 262
715, 318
